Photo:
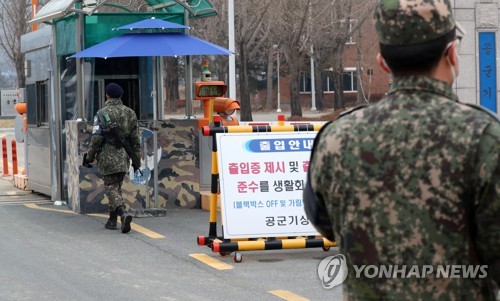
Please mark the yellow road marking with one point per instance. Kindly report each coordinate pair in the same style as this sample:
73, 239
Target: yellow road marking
99, 215
135, 227
286, 295
146, 231
35, 206
215, 263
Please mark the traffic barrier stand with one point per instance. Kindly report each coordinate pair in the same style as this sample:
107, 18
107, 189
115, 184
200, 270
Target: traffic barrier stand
4, 154
224, 246
14, 157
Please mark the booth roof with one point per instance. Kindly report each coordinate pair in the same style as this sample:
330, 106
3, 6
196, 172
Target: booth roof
202, 8
59, 8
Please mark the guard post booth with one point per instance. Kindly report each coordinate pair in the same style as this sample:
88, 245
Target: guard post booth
63, 95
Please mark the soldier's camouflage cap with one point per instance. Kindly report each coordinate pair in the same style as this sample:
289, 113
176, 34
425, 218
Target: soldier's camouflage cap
407, 22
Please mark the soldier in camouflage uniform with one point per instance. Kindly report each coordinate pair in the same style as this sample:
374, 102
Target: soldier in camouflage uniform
415, 178
113, 162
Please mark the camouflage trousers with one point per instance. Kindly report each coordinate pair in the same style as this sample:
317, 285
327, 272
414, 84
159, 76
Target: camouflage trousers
113, 189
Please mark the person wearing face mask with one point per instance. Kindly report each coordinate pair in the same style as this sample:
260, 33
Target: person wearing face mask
413, 180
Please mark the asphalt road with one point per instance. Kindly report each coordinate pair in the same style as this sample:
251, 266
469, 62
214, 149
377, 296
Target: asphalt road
50, 253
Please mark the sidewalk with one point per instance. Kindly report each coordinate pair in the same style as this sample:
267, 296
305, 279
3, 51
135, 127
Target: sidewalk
7, 186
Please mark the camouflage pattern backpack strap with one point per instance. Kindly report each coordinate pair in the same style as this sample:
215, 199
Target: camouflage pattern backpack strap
315, 210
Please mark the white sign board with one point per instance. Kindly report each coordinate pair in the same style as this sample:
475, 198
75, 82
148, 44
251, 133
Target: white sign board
262, 179
9, 99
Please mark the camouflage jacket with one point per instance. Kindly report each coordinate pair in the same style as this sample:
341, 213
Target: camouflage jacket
110, 159
412, 180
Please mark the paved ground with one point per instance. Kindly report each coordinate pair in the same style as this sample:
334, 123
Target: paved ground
51, 253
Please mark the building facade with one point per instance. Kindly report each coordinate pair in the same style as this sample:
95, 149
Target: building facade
478, 80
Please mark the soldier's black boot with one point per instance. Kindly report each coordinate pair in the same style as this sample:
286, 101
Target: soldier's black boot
126, 219
111, 223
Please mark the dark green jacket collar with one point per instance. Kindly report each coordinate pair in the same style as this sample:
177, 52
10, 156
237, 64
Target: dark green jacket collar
423, 84
113, 102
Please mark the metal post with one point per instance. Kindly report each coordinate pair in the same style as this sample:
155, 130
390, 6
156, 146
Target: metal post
313, 84
55, 125
278, 83
188, 75
189, 88
155, 134
79, 65
153, 92
146, 182
232, 57
13, 149
34, 8
26, 171
5, 157
161, 105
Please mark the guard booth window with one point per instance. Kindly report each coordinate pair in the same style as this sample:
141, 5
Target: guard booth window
37, 98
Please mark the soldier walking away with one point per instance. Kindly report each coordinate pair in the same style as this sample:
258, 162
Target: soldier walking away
115, 140
413, 180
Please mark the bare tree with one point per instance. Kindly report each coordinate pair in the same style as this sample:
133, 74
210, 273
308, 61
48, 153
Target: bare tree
171, 78
319, 32
291, 28
366, 49
252, 28
215, 30
14, 17
6, 81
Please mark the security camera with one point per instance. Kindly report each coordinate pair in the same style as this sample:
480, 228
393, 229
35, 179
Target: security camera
226, 106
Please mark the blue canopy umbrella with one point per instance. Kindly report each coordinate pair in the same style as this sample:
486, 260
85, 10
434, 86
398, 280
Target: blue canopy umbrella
152, 44
152, 23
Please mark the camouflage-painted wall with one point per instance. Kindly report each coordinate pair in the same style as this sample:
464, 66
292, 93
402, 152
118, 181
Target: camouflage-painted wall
178, 168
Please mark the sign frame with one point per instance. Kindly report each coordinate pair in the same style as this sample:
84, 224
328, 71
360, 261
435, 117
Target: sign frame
249, 207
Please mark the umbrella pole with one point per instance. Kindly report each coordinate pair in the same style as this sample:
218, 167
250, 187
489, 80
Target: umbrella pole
189, 85
155, 134
160, 94
144, 142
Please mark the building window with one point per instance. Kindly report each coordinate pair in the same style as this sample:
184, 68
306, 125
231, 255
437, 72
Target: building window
351, 31
349, 80
328, 85
42, 102
305, 83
